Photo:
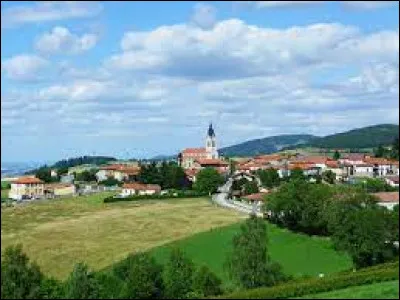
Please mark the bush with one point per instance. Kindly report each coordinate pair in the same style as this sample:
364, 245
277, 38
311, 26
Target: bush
299, 288
206, 283
180, 194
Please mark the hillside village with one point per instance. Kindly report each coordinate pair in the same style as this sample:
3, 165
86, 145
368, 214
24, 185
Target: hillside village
124, 177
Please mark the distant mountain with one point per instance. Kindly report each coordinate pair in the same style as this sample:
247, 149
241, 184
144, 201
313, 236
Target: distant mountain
366, 137
266, 145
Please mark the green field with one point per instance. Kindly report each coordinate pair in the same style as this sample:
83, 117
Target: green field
298, 254
4, 194
382, 290
59, 233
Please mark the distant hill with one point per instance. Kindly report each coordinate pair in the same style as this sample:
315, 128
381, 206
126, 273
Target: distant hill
366, 137
266, 145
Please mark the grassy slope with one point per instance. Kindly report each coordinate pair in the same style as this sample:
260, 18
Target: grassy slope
4, 194
59, 233
298, 254
382, 290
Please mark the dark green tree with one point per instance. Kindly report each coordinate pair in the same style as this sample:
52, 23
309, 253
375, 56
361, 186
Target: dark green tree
269, 177
111, 182
297, 173
366, 235
208, 180
251, 187
86, 176
20, 279
44, 174
336, 155
329, 176
249, 264
82, 284
51, 288
380, 151
178, 275
143, 278
206, 283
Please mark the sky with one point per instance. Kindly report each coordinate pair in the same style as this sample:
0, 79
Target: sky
138, 79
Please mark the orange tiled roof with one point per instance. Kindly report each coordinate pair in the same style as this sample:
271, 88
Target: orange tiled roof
377, 160
206, 161
141, 186
388, 196
27, 180
256, 196
194, 150
301, 166
332, 164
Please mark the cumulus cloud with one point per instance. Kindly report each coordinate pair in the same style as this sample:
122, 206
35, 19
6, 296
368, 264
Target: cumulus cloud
204, 15
233, 48
45, 11
289, 4
61, 40
23, 67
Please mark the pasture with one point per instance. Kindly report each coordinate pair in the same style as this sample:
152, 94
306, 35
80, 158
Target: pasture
61, 232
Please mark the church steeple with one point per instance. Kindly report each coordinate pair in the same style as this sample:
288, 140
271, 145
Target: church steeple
211, 143
211, 132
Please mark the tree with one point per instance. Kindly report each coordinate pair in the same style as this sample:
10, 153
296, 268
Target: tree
62, 170
297, 173
143, 278
86, 176
365, 234
51, 288
249, 264
329, 176
251, 187
206, 283
82, 284
269, 178
208, 180
380, 151
336, 155
394, 153
178, 275
20, 279
111, 182
44, 174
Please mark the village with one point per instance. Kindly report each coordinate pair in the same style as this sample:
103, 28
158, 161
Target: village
349, 168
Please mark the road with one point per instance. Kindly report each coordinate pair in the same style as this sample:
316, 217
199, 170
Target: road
221, 198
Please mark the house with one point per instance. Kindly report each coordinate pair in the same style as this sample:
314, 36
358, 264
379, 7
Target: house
68, 178
59, 190
352, 158
26, 188
335, 168
218, 164
119, 172
186, 159
392, 180
388, 199
140, 189
358, 170
381, 166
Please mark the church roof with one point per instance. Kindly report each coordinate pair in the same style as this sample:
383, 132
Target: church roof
211, 132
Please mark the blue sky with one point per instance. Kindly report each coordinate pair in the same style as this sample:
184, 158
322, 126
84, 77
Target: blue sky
137, 79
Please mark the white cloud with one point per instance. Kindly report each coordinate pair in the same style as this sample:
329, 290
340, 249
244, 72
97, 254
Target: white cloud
23, 67
368, 4
289, 4
37, 12
204, 15
61, 40
233, 48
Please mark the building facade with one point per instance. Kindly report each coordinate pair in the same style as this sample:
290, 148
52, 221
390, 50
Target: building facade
26, 188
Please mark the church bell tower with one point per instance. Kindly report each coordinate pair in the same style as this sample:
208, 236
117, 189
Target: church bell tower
211, 143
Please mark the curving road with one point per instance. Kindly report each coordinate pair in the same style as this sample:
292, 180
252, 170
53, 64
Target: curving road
221, 198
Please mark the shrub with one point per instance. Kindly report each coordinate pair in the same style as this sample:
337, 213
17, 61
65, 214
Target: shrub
299, 288
206, 283
180, 194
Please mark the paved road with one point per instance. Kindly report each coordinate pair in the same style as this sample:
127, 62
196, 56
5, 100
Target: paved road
222, 199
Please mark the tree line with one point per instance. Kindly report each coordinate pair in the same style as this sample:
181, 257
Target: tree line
350, 215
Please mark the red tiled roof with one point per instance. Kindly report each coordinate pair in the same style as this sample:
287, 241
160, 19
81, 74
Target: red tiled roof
191, 172
256, 196
394, 179
206, 161
388, 196
332, 164
27, 180
312, 159
377, 161
301, 166
122, 168
194, 150
354, 156
141, 186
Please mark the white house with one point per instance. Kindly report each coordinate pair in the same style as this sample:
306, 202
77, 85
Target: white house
392, 180
26, 188
388, 199
135, 188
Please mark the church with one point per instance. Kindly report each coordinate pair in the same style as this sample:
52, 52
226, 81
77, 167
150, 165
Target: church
197, 158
